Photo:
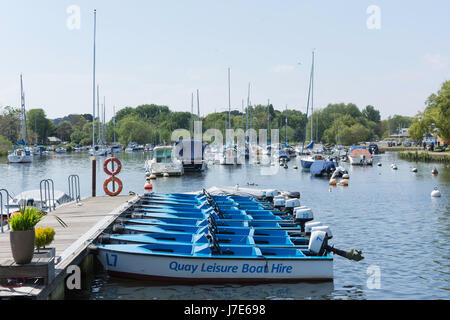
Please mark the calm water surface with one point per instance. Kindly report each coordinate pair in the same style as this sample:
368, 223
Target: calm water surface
389, 214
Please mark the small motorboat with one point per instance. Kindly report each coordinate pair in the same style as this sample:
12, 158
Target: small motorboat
164, 162
60, 150
360, 156
20, 155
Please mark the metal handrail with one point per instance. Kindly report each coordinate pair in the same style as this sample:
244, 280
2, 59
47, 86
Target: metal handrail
1, 208
47, 195
74, 187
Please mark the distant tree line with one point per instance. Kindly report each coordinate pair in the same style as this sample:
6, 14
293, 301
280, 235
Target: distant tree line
336, 123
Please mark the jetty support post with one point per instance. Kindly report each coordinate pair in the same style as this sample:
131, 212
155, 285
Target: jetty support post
94, 176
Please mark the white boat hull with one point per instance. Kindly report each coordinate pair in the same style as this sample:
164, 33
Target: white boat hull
360, 161
20, 159
170, 268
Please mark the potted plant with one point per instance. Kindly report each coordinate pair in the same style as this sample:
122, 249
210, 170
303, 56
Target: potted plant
22, 235
43, 237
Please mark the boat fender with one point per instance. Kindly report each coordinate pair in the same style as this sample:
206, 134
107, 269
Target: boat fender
115, 172
345, 176
318, 242
435, 193
148, 186
333, 182
343, 182
118, 228
310, 225
323, 228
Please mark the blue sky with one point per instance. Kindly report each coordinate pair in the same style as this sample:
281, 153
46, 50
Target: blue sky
162, 51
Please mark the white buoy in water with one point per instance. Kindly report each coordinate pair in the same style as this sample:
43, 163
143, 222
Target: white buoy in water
379, 164
345, 176
165, 174
414, 169
152, 176
295, 167
333, 182
343, 182
434, 171
435, 193
394, 167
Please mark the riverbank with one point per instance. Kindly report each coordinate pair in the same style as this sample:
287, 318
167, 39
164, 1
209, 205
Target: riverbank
425, 156
399, 148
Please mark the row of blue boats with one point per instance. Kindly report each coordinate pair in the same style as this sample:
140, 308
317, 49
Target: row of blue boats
219, 238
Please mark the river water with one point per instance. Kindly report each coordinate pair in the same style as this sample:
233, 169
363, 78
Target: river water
388, 214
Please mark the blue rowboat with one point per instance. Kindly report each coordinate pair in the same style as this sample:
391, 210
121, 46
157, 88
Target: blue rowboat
134, 229
200, 239
222, 222
263, 217
214, 264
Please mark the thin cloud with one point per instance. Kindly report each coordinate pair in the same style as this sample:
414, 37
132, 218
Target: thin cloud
282, 68
437, 61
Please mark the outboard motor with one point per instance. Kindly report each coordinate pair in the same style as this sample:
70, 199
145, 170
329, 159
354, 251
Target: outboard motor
104, 239
302, 215
318, 246
318, 243
323, 228
117, 228
310, 225
135, 215
290, 204
279, 202
270, 194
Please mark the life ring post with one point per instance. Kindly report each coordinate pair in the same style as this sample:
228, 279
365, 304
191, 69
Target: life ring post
112, 173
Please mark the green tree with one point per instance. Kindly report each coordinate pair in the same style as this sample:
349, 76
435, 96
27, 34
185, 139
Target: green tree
371, 114
38, 123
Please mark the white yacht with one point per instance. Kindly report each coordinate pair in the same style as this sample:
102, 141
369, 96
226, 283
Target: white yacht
33, 198
20, 155
98, 150
164, 162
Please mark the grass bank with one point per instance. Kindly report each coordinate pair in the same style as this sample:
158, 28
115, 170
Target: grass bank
425, 156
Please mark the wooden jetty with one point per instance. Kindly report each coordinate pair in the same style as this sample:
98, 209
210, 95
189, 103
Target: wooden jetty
86, 220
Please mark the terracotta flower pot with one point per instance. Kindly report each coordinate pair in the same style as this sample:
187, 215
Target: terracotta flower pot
22, 245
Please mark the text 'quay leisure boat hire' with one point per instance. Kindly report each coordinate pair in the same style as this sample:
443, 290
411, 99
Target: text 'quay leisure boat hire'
186, 240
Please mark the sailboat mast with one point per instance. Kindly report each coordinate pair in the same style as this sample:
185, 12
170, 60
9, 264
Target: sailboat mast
24, 114
198, 106
104, 121
248, 105
93, 83
98, 113
114, 124
285, 130
229, 101
312, 95
192, 114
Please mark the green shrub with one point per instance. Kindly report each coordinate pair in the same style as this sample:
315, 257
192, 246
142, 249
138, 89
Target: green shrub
25, 219
44, 236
